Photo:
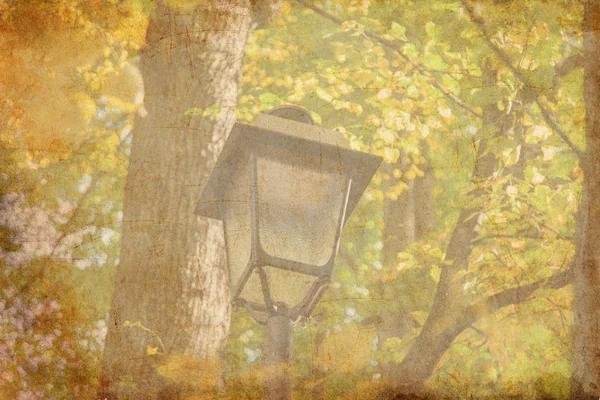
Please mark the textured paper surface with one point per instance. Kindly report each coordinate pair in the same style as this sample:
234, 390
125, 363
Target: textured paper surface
468, 269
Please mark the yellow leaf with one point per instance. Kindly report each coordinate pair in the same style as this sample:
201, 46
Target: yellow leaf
387, 135
85, 104
323, 95
420, 316
384, 93
435, 273
391, 155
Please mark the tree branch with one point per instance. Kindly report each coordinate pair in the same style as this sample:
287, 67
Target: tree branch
390, 45
519, 75
569, 64
517, 294
559, 131
508, 236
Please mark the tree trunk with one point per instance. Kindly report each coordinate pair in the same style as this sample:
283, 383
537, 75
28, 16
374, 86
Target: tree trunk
398, 214
444, 322
423, 195
171, 284
585, 382
406, 219
411, 215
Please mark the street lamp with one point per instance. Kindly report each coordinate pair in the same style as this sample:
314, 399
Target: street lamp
283, 188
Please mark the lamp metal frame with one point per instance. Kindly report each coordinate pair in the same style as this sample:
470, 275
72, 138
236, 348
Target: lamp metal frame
259, 259
243, 147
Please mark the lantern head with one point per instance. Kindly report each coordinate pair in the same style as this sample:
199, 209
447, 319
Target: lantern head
283, 189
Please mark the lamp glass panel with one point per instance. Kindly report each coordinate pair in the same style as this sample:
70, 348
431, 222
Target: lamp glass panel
288, 287
300, 198
237, 224
252, 290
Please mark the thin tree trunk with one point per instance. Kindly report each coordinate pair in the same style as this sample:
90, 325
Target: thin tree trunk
423, 196
411, 215
406, 219
398, 214
585, 382
443, 323
172, 277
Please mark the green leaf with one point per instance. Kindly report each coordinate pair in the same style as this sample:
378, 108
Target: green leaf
269, 101
412, 92
410, 50
430, 28
316, 117
434, 61
450, 84
193, 111
398, 31
395, 348
214, 109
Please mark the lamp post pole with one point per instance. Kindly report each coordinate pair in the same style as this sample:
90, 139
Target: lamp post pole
280, 335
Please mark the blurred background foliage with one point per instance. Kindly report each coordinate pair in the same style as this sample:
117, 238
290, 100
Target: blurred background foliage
425, 84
